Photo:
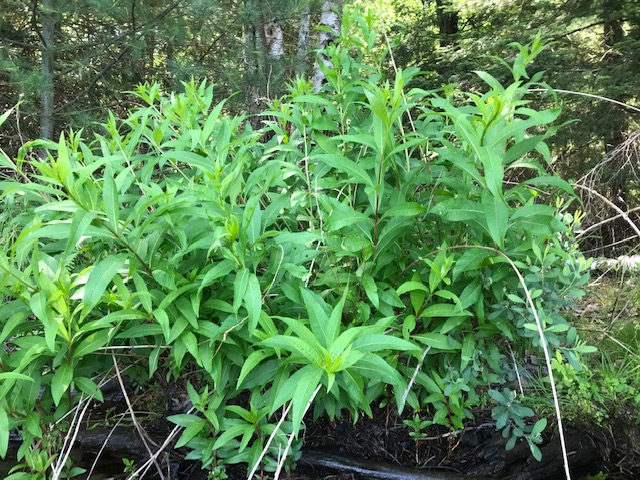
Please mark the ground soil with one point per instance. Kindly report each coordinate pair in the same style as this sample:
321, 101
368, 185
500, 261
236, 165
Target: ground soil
383, 442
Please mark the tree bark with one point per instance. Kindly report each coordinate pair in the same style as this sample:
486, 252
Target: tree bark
616, 118
330, 17
47, 35
613, 34
273, 47
447, 22
303, 41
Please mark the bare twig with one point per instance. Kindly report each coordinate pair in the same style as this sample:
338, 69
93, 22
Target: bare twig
515, 367
457, 432
415, 374
102, 447
146, 465
283, 457
606, 220
139, 429
590, 95
69, 441
633, 237
268, 444
622, 213
613, 339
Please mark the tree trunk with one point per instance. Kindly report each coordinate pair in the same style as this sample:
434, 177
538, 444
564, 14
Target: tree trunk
330, 17
273, 47
447, 22
613, 34
303, 41
615, 119
48, 26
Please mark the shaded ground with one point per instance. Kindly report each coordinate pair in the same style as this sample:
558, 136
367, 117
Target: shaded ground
343, 450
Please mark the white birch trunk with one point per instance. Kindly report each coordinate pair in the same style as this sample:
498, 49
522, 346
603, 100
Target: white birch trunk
274, 40
303, 41
330, 17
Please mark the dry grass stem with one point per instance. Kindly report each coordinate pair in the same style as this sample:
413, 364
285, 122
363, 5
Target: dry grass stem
69, 441
283, 457
415, 375
139, 429
268, 444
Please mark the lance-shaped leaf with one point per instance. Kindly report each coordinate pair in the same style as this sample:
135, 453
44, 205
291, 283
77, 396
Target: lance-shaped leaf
99, 278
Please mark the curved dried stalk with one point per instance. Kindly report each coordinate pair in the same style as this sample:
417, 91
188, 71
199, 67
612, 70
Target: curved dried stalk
545, 350
621, 213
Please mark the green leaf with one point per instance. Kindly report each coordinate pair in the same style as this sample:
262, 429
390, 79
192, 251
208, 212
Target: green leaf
355, 173
549, 181
79, 225
468, 349
110, 196
443, 310
303, 397
408, 209
371, 290
220, 269
61, 381
99, 278
15, 376
538, 427
142, 292
374, 367
380, 342
496, 217
191, 430
490, 80
90, 344
521, 148
469, 261
394, 228
38, 304
296, 345
471, 293
88, 387
437, 340
459, 210
253, 301
411, 286
191, 343
535, 451
318, 318
253, 360
335, 320
451, 323
4, 433
163, 321
240, 288
32, 424
493, 171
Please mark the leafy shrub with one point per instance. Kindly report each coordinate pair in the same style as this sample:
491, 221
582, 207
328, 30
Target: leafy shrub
352, 252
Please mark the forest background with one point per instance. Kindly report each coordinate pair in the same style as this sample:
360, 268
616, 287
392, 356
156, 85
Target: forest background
66, 62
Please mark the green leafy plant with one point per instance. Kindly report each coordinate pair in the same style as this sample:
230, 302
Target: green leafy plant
510, 416
357, 250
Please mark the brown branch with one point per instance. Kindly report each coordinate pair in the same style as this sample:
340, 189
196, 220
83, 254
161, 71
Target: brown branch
141, 432
34, 21
576, 30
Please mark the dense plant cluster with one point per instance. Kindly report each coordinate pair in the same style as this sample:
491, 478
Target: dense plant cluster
358, 250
